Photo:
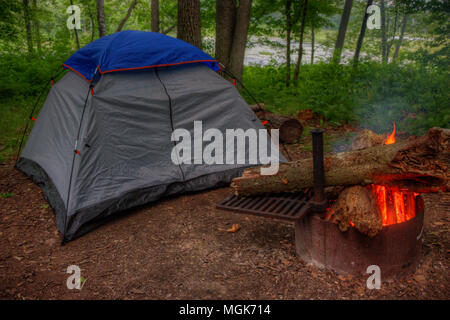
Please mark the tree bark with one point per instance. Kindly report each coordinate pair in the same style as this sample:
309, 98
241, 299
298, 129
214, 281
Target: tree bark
101, 21
189, 25
342, 31
288, 41
420, 164
26, 16
300, 47
402, 34
232, 25
127, 16
240, 38
36, 25
155, 15
362, 33
225, 23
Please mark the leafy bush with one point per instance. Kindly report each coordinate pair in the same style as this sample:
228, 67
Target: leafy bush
25, 75
371, 95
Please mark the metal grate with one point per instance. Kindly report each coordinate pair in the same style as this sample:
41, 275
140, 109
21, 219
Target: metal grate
291, 206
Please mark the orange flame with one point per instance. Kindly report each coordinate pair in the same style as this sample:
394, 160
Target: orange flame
391, 138
396, 205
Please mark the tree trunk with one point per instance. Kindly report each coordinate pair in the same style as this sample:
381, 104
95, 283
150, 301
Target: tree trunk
290, 128
225, 23
420, 164
362, 33
92, 19
232, 25
240, 38
75, 30
189, 25
288, 42
391, 41
101, 21
313, 43
155, 15
300, 47
36, 25
26, 16
342, 31
402, 34
127, 16
383, 32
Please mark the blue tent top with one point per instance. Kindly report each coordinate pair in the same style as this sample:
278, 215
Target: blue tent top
128, 50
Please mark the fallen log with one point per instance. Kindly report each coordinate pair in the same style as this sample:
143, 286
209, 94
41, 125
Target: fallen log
419, 163
290, 128
257, 107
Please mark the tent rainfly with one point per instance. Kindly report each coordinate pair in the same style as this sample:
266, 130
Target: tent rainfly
102, 140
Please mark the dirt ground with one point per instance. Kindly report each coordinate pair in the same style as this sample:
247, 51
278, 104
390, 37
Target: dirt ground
178, 248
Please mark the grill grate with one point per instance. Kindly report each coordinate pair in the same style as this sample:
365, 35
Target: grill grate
291, 206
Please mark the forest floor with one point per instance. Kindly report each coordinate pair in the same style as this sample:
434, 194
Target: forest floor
179, 248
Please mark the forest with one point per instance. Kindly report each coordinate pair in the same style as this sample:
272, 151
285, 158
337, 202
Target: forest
331, 57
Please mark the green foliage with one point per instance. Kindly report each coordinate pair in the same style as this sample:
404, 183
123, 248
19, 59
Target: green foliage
7, 195
24, 76
372, 95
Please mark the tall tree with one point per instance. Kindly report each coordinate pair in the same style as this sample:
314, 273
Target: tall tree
362, 33
101, 21
75, 30
313, 43
189, 24
240, 37
92, 19
300, 47
155, 15
402, 34
342, 30
232, 23
26, 16
225, 22
127, 16
383, 32
288, 41
36, 26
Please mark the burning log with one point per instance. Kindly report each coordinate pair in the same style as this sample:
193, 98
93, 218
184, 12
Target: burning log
419, 164
356, 207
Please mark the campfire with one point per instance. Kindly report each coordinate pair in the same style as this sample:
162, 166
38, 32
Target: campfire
374, 214
391, 205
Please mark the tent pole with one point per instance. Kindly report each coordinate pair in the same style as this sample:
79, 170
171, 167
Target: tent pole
31, 114
75, 152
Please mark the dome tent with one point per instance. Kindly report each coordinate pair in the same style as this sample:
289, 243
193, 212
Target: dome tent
102, 140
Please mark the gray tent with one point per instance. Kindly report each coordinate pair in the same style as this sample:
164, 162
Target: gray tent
122, 130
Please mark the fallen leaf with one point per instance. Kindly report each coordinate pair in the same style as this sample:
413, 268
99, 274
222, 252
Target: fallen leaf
284, 181
235, 227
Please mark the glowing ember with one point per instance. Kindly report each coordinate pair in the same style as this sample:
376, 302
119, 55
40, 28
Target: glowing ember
396, 205
391, 138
